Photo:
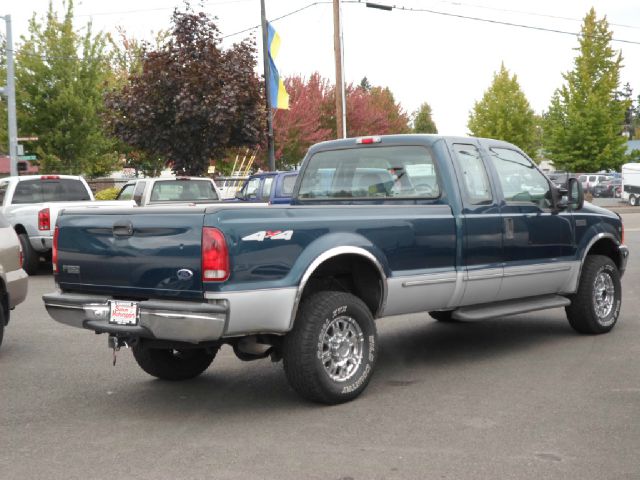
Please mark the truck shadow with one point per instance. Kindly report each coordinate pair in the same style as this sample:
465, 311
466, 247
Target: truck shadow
410, 351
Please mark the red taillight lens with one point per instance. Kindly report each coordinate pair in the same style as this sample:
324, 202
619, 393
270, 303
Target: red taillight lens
54, 251
44, 219
21, 257
215, 256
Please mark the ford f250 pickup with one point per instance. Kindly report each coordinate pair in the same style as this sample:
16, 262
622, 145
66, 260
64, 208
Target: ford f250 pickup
463, 228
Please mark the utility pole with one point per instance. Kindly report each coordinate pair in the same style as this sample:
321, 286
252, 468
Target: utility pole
341, 120
10, 92
267, 88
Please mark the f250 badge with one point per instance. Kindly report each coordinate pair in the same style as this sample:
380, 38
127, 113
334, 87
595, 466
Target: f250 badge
269, 235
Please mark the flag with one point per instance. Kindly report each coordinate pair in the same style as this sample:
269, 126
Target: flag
279, 96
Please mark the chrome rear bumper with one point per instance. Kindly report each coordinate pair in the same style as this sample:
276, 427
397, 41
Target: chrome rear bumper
192, 322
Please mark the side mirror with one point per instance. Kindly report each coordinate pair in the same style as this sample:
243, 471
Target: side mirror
137, 198
239, 195
576, 194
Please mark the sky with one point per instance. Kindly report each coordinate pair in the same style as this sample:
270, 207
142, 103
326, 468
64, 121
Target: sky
444, 60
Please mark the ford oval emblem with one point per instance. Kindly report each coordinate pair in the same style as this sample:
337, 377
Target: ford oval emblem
185, 274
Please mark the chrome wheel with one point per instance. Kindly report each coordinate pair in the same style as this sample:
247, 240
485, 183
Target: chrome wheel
341, 347
603, 296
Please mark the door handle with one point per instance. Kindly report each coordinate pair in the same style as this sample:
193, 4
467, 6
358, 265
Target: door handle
508, 228
123, 228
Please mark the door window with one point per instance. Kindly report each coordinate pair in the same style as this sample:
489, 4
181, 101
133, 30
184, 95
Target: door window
127, 192
474, 175
3, 191
266, 188
521, 181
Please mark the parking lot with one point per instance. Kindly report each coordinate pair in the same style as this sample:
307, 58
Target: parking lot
520, 397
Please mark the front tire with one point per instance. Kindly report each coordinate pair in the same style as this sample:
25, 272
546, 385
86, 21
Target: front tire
30, 258
330, 354
595, 306
173, 364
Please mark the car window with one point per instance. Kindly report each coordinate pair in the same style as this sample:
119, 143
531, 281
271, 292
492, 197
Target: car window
48, 189
3, 191
127, 192
183, 190
521, 181
592, 178
267, 186
370, 173
250, 189
475, 181
288, 183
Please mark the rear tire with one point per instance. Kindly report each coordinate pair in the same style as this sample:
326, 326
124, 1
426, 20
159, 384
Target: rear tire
3, 322
633, 201
330, 354
595, 306
173, 364
31, 258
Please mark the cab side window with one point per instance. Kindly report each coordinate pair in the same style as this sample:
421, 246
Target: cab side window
474, 176
521, 181
3, 191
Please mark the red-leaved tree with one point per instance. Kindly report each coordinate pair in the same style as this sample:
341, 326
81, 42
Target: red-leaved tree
311, 116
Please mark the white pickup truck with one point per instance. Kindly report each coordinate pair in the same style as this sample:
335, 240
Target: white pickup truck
31, 204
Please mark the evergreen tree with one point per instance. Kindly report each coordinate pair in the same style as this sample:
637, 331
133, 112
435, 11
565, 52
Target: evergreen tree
423, 121
60, 76
582, 129
504, 113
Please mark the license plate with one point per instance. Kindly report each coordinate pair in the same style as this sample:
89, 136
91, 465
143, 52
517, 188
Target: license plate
123, 313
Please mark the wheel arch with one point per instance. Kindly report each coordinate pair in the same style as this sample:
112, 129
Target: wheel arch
604, 244
365, 274
19, 228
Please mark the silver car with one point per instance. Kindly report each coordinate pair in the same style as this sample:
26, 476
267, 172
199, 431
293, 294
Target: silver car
13, 279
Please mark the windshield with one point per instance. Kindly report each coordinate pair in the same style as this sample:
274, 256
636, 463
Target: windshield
371, 172
183, 190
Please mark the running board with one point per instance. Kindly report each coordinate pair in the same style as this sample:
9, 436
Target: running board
510, 307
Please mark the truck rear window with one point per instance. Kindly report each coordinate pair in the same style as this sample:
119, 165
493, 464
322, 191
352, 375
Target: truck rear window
183, 191
371, 172
50, 190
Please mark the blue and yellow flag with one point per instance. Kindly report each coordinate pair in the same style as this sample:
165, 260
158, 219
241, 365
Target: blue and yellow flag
279, 96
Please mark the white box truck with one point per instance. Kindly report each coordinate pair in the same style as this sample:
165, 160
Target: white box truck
631, 183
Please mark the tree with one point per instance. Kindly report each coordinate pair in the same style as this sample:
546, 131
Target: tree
305, 123
374, 112
582, 128
60, 76
632, 113
422, 120
192, 100
504, 113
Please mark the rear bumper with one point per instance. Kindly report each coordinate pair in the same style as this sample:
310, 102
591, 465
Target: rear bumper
191, 322
41, 243
17, 286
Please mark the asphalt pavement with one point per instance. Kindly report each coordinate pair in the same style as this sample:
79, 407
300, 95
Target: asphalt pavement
522, 397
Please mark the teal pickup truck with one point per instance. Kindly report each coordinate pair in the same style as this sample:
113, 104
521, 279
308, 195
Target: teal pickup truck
462, 228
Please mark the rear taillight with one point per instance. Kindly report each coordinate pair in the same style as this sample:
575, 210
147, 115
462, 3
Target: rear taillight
621, 232
21, 256
215, 256
54, 251
44, 219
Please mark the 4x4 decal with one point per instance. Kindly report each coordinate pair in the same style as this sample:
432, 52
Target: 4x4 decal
269, 235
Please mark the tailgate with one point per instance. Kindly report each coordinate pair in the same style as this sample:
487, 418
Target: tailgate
131, 253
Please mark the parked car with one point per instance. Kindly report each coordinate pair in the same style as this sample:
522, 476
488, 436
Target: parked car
268, 187
608, 188
463, 228
31, 204
170, 191
590, 180
13, 279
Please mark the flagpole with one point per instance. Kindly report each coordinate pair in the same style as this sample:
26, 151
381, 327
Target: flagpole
267, 77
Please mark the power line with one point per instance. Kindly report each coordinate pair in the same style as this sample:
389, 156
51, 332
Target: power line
534, 14
500, 22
